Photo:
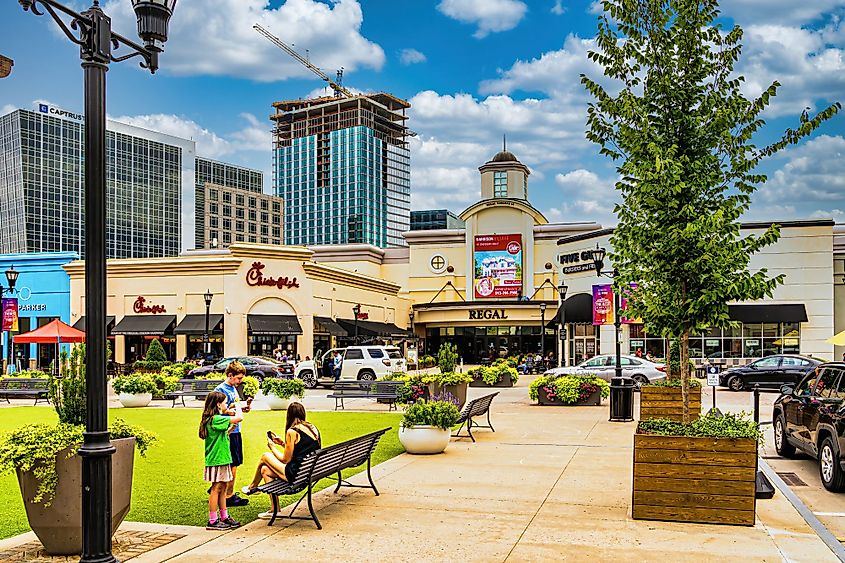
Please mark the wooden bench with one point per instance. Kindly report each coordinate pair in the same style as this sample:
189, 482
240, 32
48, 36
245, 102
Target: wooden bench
476, 407
25, 388
197, 388
325, 462
388, 391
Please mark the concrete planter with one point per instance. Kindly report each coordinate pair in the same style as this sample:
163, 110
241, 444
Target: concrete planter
667, 402
502, 382
59, 526
277, 403
594, 399
133, 400
458, 391
424, 439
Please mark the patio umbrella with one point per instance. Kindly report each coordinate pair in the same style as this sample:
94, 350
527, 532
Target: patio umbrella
837, 340
54, 332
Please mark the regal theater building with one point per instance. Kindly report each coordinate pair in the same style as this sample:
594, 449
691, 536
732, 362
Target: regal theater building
491, 288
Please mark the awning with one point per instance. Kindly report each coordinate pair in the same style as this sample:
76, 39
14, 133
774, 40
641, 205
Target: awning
195, 324
145, 325
374, 328
330, 326
772, 313
80, 324
273, 325
577, 309
54, 332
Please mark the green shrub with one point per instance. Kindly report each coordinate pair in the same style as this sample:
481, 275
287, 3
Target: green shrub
283, 388
213, 375
67, 393
164, 384
134, 384
413, 389
427, 361
155, 353
442, 414
148, 366
30, 374
568, 389
250, 387
447, 378
447, 357
179, 371
673, 383
728, 425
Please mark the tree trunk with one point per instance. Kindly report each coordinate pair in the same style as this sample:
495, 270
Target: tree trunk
684, 357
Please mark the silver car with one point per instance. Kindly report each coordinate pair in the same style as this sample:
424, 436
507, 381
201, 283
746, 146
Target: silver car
639, 369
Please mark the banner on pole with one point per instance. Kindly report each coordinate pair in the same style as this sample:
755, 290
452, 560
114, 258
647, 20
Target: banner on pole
603, 304
10, 314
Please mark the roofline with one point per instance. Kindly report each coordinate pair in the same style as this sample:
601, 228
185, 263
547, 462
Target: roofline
586, 236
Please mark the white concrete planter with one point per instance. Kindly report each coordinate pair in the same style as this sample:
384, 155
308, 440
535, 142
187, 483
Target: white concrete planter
130, 400
424, 439
277, 403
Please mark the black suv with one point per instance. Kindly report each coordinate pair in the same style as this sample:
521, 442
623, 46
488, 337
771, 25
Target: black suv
811, 417
771, 371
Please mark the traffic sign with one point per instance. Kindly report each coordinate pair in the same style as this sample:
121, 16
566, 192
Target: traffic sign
713, 376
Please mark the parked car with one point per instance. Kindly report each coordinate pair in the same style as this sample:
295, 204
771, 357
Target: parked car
366, 363
639, 369
256, 366
811, 417
771, 371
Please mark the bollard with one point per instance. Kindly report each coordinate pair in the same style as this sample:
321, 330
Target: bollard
757, 403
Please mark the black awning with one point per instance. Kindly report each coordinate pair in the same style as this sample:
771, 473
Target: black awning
328, 325
273, 325
145, 325
577, 309
374, 328
195, 324
80, 324
770, 313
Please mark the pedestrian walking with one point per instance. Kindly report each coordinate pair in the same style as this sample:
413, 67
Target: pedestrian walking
214, 429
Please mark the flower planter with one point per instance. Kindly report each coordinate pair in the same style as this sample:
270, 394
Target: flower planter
134, 400
705, 480
59, 526
458, 391
502, 382
277, 403
424, 439
593, 399
667, 402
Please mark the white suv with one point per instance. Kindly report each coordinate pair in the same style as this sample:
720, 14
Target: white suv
366, 363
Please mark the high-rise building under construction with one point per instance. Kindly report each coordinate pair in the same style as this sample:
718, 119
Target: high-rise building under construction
342, 166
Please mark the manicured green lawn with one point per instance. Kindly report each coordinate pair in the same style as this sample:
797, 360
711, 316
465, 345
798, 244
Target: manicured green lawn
168, 486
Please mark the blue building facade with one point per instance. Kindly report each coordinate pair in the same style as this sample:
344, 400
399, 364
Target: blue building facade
43, 294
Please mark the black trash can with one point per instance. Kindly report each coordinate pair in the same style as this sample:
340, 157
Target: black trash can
622, 399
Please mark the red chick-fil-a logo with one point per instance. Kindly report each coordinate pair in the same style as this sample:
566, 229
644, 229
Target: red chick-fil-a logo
142, 307
255, 277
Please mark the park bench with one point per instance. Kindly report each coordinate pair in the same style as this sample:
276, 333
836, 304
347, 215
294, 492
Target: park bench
474, 408
325, 462
197, 388
387, 391
24, 388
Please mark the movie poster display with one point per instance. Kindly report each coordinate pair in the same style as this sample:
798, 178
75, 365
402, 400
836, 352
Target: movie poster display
498, 266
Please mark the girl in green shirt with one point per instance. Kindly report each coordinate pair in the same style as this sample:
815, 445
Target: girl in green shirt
214, 429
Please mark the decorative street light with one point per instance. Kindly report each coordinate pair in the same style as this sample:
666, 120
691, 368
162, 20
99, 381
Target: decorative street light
598, 255
357, 310
206, 345
91, 30
543, 331
11, 278
561, 290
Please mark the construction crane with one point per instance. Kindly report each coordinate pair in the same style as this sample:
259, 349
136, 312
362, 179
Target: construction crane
338, 89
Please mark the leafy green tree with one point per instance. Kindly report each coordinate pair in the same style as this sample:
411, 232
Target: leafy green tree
682, 133
447, 357
155, 353
67, 393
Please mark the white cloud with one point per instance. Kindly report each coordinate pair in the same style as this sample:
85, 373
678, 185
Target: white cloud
411, 56
215, 37
585, 195
793, 11
558, 9
813, 175
491, 16
7, 108
595, 7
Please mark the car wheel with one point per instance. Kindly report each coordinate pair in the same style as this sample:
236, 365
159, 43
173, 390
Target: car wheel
833, 478
257, 375
308, 379
782, 445
366, 375
735, 383
639, 380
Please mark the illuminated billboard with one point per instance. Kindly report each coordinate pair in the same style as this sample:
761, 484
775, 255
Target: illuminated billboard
498, 266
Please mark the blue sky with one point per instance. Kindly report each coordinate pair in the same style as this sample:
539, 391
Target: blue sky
472, 70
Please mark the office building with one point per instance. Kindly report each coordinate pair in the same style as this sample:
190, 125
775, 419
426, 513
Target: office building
223, 176
342, 166
430, 219
234, 215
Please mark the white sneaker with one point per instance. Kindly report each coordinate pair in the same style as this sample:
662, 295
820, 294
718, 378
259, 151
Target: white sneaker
266, 515
246, 490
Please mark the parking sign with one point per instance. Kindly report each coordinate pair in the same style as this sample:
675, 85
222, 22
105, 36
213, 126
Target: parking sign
713, 376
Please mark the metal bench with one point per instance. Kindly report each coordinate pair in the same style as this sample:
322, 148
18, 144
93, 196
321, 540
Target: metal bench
25, 388
325, 462
389, 391
197, 388
476, 407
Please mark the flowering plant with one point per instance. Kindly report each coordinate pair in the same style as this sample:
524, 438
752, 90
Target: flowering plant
568, 389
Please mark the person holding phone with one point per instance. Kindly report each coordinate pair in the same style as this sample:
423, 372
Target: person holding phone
235, 373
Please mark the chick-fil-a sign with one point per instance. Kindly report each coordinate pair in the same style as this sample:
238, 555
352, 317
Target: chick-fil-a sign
141, 307
255, 278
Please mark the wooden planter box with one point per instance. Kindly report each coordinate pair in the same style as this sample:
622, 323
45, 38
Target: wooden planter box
705, 480
506, 382
667, 402
543, 399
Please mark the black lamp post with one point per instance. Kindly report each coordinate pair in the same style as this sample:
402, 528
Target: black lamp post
206, 345
561, 290
543, 330
91, 30
598, 255
11, 278
357, 311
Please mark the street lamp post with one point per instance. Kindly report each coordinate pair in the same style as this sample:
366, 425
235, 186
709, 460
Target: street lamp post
543, 331
11, 279
357, 311
206, 345
598, 255
561, 290
91, 30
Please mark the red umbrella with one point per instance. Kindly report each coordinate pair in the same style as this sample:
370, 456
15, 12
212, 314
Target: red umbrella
55, 332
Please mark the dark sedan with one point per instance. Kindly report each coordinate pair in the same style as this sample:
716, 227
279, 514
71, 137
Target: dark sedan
256, 366
771, 371
811, 417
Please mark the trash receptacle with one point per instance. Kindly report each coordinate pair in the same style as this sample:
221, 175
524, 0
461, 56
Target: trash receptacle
622, 399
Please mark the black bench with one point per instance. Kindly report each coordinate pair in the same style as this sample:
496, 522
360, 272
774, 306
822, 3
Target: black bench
476, 407
25, 388
325, 462
197, 388
388, 391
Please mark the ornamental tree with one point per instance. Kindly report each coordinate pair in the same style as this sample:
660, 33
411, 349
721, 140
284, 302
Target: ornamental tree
155, 353
682, 133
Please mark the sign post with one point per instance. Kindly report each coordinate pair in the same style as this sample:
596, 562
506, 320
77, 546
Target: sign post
713, 381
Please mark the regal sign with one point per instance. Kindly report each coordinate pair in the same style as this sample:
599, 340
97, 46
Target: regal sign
255, 278
487, 314
141, 307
